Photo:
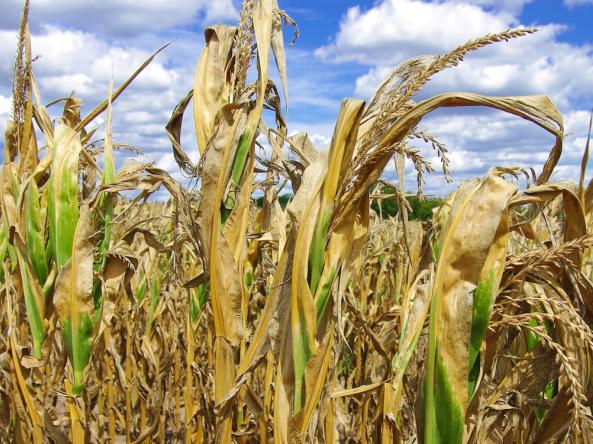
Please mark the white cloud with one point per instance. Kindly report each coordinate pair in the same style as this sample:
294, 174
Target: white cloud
479, 141
5, 106
75, 60
71, 60
320, 133
120, 34
394, 30
577, 122
118, 17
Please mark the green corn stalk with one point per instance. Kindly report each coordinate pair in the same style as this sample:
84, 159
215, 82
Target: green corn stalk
63, 212
154, 300
307, 306
317, 251
532, 339
198, 297
78, 342
34, 304
35, 233
481, 311
141, 287
73, 298
323, 298
340, 157
244, 146
3, 250
447, 424
33, 266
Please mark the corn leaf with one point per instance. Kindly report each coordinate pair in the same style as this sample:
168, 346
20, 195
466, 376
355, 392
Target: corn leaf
73, 298
63, 193
466, 246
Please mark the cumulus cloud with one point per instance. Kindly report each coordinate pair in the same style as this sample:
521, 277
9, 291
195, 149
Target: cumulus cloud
396, 30
119, 34
393, 31
83, 63
5, 105
119, 17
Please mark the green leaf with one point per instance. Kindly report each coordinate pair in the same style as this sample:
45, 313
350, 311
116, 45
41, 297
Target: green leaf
63, 193
34, 233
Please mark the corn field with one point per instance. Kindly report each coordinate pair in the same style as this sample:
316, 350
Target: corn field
207, 318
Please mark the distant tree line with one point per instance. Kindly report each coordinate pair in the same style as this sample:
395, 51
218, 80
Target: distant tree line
421, 208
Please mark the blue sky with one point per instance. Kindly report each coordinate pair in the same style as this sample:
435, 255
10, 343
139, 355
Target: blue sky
344, 50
